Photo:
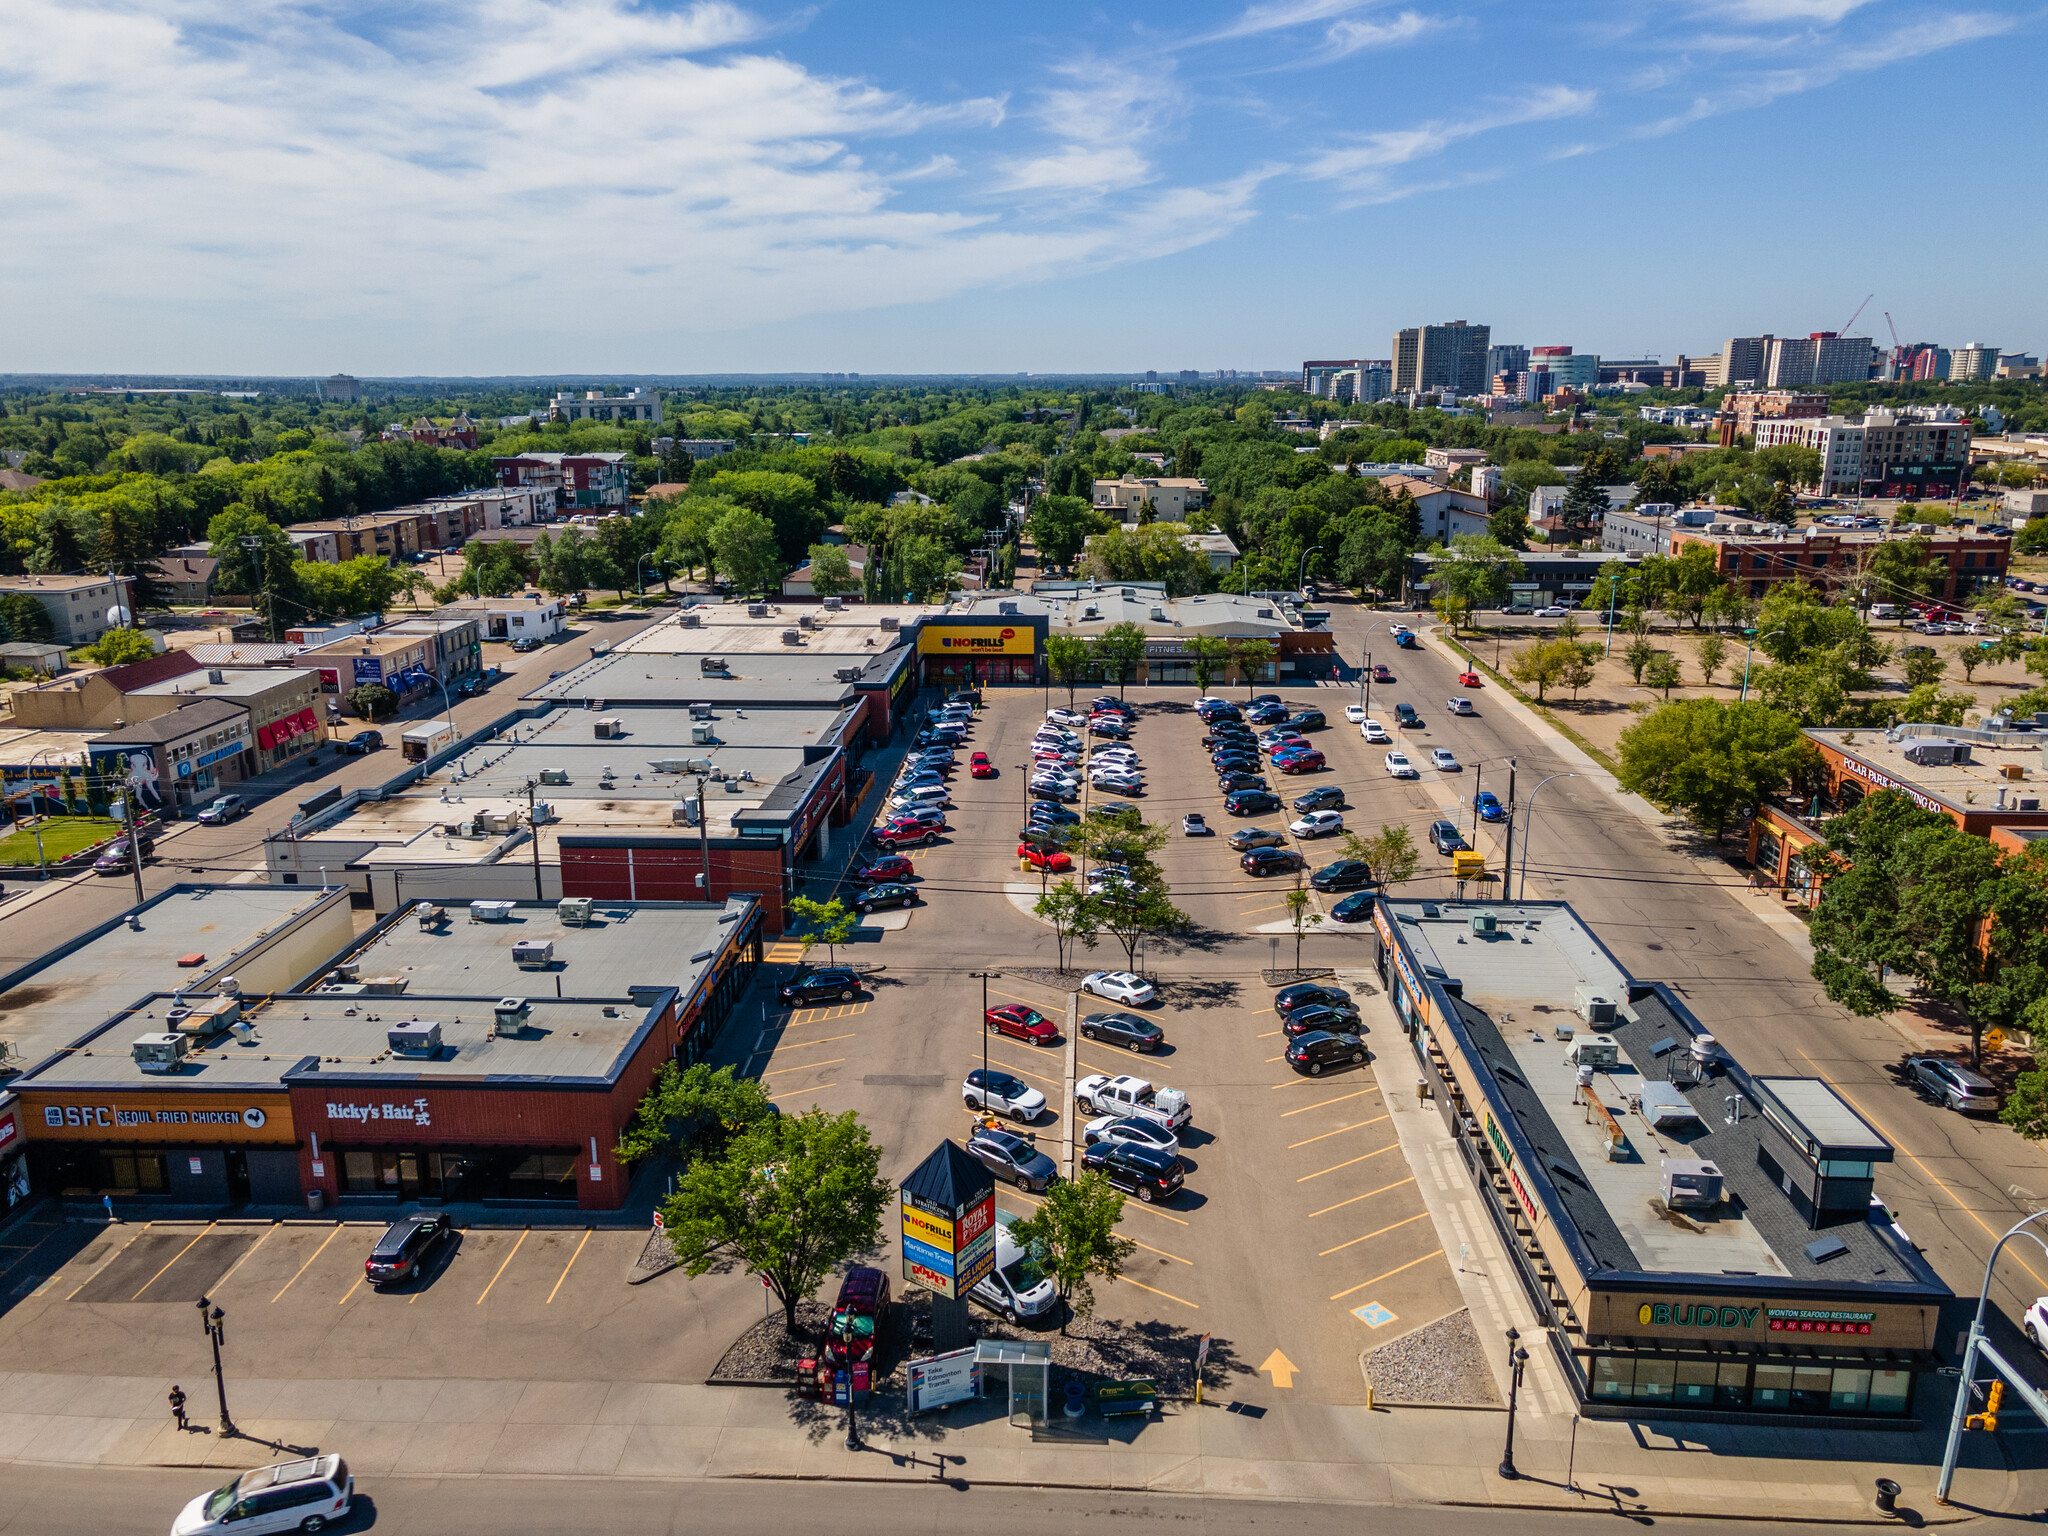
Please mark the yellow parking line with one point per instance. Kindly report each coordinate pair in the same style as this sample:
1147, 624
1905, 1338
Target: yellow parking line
350, 1292
1255, 911
1192, 1306
1376, 1279
152, 1280
1164, 1254
1335, 1167
1269, 1034
808, 1067
1367, 1195
1339, 1131
501, 1268
1152, 1210
307, 1265
223, 1280
1326, 1103
1408, 1221
815, 1088
804, 1045
567, 1267
1025, 1071
1271, 1059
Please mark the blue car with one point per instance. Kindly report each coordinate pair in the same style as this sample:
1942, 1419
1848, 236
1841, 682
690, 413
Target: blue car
1354, 909
1490, 807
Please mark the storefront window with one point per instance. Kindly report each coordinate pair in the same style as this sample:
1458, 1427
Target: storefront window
1890, 1391
1731, 1386
1811, 1388
1654, 1380
134, 1171
1612, 1375
543, 1176
1850, 1391
1695, 1383
1773, 1388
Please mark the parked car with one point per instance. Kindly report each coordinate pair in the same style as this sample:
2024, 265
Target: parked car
1299, 762
1344, 875
1256, 837
1468, 679
877, 897
1304, 994
1017, 1287
1445, 837
1104, 704
1001, 1094
308, 1494
1192, 825
1954, 1085
1489, 806
1143, 1171
1399, 766
1319, 1050
1324, 1016
1013, 1159
1266, 714
1554, 611
889, 867
1355, 908
1374, 732
1326, 797
525, 643
1230, 783
1132, 1129
1354, 714
1460, 706
1066, 717
360, 744
1119, 987
1101, 1094
1058, 815
1124, 1029
1318, 824
1443, 760
1271, 861
902, 833
834, 982
1114, 810
226, 808
1052, 861
1307, 720
402, 1252
1109, 726
1119, 782
1250, 802
119, 859
1018, 1022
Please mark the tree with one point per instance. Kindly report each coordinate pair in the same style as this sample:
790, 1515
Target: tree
1067, 659
791, 1199
922, 568
1301, 916
371, 701
1640, 654
1209, 655
830, 923
1713, 654
412, 581
1059, 526
1929, 704
1252, 658
744, 542
1474, 573
118, 646
1540, 665
1584, 505
1663, 673
1154, 552
1074, 1232
1509, 527
1712, 761
831, 572
1120, 648
1389, 853
694, 1111
1897, 572
1072, 915
1578, 670
1924, 669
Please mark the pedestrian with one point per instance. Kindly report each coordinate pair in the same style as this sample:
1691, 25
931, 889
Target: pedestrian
108, 1200
178, 1404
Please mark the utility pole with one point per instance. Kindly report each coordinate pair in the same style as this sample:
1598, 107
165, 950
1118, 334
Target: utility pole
985, 977
1507, 863
134, 840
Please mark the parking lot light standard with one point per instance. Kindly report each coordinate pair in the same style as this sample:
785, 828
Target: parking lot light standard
986, 978
1518, 1360
214, 1322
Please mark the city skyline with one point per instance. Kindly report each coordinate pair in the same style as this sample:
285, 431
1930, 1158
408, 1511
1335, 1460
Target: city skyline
577, 188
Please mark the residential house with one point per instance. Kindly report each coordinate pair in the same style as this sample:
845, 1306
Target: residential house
188, 579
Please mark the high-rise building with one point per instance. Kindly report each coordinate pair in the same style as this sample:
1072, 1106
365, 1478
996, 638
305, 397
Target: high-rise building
1976, 361
1506, 359
1567, 369
1451, 356
1744, 360
1918, 361
1821, 357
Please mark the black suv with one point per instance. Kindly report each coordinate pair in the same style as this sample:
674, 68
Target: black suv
1146, 1172
402, 1252
1314, 1051
1344, 875
1271, 861
1305, 994
836, 982
1251, 802
1125, 1029
1337, 1018
1307, 720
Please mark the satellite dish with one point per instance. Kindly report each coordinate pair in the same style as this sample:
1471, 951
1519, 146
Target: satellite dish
118, 617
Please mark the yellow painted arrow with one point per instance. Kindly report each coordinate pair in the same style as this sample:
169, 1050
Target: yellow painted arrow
1283, 1369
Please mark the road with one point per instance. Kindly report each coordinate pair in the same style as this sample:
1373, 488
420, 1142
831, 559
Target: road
1672, 910
56, 1501
39, 918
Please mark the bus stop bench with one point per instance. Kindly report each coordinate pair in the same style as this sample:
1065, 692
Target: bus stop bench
1121, 1399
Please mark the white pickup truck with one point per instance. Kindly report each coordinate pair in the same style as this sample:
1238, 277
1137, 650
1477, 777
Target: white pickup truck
1101, 1094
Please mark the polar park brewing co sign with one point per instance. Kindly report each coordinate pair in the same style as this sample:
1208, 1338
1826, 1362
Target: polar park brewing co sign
949, 1223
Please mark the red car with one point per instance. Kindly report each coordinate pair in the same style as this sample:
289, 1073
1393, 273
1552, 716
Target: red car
980, 766
1382, 673
1300, 762
1055, 862
1469, 679
891, 866
1021, 1023
902, 834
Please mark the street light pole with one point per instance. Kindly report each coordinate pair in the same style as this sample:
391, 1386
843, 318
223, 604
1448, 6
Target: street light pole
1747, 650
1518, 1359
1529, 831
214, 1322
1979, 1346
985, 977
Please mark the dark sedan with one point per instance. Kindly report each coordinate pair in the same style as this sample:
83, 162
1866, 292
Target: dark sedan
838, 983
1315, 1052
1010, 1157
1344, 875
360, 744
1124, 1029
1251, 802
1304, 994
1337, 1019
1356, 908
119, 859
1271, 861
889, 894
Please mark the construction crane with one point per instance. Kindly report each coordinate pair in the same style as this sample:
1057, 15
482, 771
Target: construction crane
1859, 310
1892, 328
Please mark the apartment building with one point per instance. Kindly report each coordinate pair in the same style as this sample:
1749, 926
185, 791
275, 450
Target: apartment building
1506, 359
1974, 362
1451, 460
1741, 411
394, 534
1451, 356
78, 606
561, 481
1821, 357
1171, 500
596, 405
1757, 556
1882, 453
1566, 368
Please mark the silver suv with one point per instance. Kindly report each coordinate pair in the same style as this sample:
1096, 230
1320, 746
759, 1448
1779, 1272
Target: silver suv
1954, 1085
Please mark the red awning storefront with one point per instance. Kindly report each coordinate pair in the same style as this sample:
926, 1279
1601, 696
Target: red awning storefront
285, 729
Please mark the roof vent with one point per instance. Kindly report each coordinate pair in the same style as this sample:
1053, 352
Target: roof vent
1008, 609
690, 621
834, 605
889, 621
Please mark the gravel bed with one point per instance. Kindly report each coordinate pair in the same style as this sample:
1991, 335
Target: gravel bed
658, 1257
1441, 1362
769, 1352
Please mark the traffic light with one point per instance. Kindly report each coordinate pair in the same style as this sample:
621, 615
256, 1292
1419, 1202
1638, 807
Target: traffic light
1988, 1419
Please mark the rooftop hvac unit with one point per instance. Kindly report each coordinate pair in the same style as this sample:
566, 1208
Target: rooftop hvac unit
684, 812
700, 711
554, 776
510, 1014
1484, 922
690, 621
386, 986
160, 1053
1265, 613
543, 813
732, 786
757, 610
1006, 609
888, 621
1593, 1008
848, 674
575, 910
1596, 1051
533, 954
415, 1037
712, 666
702, 736
611, 729
1158, 615
432, 918
805, 621
792, 637
1690, 1182
833, 605
490, 911
216, 677
671, 764
1092, 611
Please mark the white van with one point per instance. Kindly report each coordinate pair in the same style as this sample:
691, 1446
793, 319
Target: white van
1015, 1287
307, 1495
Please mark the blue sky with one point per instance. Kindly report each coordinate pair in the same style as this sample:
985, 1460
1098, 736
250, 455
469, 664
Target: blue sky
290, 186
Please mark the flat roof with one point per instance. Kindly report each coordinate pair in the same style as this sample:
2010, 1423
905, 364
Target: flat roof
1213, 612
625, 946
563, 1040
777, 680
727, 627
235, 682
60, 996
1974, 788
1515, 988
51, 749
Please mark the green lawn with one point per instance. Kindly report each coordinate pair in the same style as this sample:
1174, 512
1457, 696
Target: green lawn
62, 836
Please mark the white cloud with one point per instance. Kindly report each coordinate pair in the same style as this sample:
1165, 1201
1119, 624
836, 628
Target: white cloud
1281, 16
1361, 164
1766, 12
1352, 34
